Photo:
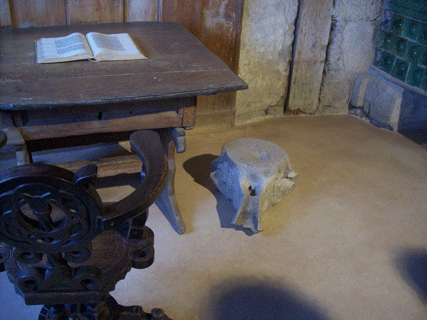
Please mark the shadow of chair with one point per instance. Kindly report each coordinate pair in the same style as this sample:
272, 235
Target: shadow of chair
412, 266
249, 298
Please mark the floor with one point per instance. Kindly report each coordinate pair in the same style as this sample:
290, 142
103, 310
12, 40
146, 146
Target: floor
348, 243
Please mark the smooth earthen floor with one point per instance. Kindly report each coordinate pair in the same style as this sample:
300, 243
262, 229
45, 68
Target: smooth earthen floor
348, 243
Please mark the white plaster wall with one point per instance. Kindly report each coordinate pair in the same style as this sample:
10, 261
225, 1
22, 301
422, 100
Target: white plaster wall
350, 52
265, 54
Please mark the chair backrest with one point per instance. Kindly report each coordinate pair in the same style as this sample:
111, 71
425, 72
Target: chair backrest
59, 244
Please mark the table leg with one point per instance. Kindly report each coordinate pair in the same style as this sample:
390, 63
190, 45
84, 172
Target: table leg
166, 202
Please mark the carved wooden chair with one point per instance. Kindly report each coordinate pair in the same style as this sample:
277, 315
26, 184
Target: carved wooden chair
63, 248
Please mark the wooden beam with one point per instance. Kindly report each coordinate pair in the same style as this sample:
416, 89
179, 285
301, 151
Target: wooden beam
108, 166
313, 28
148, 121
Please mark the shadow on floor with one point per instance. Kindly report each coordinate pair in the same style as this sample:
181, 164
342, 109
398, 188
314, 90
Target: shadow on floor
133, 180
199, 168
249, 299
412, 266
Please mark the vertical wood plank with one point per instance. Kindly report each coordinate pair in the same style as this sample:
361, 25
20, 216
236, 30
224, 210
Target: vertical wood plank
221, 29
186, 12
93, 11
39, 13
217, 24
4, 13
140, 10
313, 28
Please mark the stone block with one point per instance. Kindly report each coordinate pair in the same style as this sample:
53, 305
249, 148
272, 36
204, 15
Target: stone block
254, 174
359, 10
359, 88
383, 101
350, 53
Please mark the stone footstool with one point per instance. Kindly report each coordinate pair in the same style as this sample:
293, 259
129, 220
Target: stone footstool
254, 174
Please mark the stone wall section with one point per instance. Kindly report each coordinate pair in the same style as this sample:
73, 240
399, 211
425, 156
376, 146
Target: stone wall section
265, 56
267, 40
351, 51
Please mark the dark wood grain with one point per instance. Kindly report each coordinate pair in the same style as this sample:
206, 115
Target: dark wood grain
4, 13
94, 11
222, 25
74, 253
108, 166
188, 13
149, 121
217, 24
140, 10
38, 13
178, 66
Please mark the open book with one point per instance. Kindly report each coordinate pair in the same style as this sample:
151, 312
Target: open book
95, 46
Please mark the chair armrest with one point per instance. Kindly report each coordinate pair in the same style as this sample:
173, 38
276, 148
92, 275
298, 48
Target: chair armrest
3, 139
148, 147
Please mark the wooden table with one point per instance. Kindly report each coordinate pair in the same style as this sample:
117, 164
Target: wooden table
62, 105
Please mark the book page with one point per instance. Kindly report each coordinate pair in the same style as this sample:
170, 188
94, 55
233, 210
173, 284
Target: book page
68, 48
113, 47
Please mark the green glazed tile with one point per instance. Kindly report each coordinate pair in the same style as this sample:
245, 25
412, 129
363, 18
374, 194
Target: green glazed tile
412, 29
397, 24
399, 46
387, 40
386, 62
422, 36
423, 57
413, 53
400, 69
416, 75
424, 84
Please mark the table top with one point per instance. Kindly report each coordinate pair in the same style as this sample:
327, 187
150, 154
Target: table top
178, 65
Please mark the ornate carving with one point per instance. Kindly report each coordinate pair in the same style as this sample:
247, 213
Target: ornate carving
63, 249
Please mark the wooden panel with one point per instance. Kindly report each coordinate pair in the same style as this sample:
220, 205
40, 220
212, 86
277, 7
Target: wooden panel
92, 11
186, 12
217, 24
39, 13
222, 26
140, 10
314, 24
4, 13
